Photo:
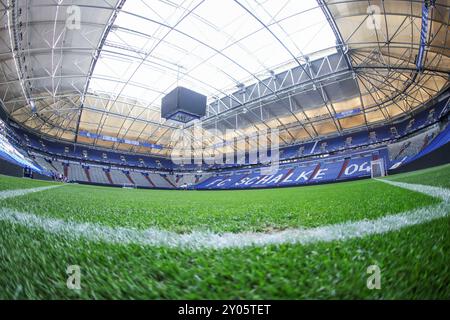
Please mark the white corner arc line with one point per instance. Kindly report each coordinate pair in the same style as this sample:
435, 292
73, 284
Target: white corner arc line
197, 240
436, 192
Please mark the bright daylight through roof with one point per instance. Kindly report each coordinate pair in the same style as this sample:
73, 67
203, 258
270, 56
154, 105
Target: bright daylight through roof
205, 46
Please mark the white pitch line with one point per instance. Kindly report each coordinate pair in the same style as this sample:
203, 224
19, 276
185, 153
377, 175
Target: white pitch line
201, 240
21, 192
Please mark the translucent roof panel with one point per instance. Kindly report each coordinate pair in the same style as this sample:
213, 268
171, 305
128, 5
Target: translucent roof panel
207, 46
262, 64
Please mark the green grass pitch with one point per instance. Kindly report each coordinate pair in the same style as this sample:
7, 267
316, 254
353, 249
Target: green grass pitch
414, 261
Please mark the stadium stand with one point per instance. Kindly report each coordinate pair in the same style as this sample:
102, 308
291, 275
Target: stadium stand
98, 175
432, 143
77, 173
188, 180
44, 163
351, 141
58, 166
318, 171
140, 180
11, 152
161, 181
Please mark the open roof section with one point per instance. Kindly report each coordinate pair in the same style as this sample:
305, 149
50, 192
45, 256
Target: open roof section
108, 76
207, 46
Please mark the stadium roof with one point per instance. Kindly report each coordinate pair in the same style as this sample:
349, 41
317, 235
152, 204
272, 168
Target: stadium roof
309, 68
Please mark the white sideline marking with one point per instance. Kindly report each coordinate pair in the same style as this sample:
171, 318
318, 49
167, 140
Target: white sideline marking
201, 240
21, 192
437, 192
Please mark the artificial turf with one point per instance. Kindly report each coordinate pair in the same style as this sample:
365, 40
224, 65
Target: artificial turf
435, 176
10, 183
414, 262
